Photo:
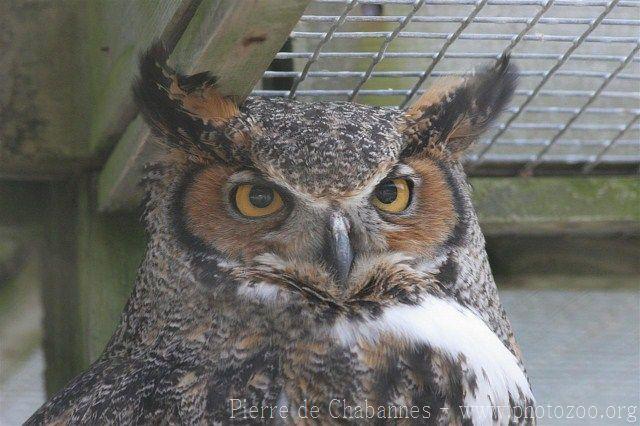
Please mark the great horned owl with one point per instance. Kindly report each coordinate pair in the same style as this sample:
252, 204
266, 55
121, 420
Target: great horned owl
308, 262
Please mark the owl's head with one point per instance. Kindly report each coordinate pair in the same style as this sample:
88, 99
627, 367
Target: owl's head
318, 198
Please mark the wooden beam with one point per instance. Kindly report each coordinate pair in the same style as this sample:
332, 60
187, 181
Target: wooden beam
89, 264
577, 256
118, 31
236, 41
59, 288
561, 205
66, 74
39, 132
110, 248
118, 182
20, 319
21, 204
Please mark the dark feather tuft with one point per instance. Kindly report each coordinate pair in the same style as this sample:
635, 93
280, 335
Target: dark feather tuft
186, 111
165, 115
453, 113
189, 83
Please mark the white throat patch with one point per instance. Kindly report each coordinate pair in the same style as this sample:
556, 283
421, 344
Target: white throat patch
452, 330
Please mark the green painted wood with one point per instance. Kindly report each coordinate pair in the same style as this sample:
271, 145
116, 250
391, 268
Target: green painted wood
236, 41
40, 126
604, 259
21, 226
20, 321
21, 204
117, 31
67, 70
110, 249
89, 263
119, 181
603, 205
59, 287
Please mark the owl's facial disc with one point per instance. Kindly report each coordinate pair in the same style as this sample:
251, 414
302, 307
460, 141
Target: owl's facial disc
319, 196
329, 242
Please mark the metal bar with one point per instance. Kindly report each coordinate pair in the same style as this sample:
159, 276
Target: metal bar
548, 76
528, 27
474, 36
457, 55
569, 110
383, 48
528, 169
558, 126
449, 41
579, 93
477, 19
562, 142
598, 158
327, 36
404, 92
568, 159
401, 74
603, 3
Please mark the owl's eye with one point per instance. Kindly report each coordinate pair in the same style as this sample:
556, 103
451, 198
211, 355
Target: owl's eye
392, 195
256, 200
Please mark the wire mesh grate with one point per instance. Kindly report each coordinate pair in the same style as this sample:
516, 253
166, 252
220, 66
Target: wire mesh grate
577, 109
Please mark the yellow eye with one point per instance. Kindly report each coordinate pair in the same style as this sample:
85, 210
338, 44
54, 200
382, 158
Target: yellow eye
257, 201
392, 195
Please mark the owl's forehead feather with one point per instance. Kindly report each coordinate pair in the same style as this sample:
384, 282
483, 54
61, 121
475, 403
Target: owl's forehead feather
322, 147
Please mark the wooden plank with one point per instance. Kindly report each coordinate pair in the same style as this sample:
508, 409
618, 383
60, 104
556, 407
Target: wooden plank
110, 248
613, 258
39, 219
604, 205
89, 264
21, 225
20, 320
39, 134
66, 74
118, 31
21, 204
118, 182
59, 288
236, 41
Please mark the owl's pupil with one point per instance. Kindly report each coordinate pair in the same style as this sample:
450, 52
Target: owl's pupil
387, 192
261, 196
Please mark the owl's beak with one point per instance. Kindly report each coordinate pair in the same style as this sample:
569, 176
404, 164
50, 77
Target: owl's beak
338, 250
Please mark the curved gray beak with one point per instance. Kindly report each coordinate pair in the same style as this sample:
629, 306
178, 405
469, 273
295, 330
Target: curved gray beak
338, 250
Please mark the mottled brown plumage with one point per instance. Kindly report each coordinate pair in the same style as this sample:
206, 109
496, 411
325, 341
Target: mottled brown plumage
329, 306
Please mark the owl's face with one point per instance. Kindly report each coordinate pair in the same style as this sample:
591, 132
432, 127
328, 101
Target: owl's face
317, 196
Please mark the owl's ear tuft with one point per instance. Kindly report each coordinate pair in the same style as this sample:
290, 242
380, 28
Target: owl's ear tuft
455, 111
182, 109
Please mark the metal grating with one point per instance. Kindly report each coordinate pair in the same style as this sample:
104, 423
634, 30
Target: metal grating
576, 110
